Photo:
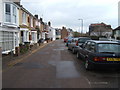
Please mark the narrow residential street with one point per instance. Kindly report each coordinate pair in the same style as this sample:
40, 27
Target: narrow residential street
53, 66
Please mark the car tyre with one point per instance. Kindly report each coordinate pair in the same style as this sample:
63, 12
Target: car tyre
88, 65
68, 48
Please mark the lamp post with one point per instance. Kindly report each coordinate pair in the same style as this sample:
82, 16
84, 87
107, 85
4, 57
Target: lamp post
81, 25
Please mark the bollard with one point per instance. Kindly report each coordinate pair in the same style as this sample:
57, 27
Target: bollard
17, 51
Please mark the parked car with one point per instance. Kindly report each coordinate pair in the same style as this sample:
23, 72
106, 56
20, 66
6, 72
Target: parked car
68, 41
76, 42
99, 53
118, 41
66, 38
72, 45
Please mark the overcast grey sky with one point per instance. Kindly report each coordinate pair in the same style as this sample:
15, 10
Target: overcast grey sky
67, 12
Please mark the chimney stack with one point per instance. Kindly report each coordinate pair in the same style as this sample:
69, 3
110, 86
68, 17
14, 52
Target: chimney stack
36, 16
49, 23
17, 2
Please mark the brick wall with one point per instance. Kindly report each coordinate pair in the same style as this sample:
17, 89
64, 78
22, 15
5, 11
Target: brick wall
64, 33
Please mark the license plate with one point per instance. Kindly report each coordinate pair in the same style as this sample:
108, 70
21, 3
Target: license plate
113, 59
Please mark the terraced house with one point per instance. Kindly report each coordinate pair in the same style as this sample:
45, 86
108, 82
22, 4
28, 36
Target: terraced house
19, 27
28, 27
9, 26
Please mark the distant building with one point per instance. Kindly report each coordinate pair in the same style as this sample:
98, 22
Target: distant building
100, 30
51, 31
64, 33
58, 33
70, 32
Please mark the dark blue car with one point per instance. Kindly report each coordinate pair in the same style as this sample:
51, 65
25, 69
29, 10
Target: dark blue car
100, 53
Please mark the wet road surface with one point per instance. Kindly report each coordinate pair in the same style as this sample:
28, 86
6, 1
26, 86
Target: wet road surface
55, 67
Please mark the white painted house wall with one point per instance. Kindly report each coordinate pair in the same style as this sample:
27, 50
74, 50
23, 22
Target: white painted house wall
9, 38
1, 11
52, 33
34, 37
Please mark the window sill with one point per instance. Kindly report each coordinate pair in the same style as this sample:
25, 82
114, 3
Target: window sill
10, 24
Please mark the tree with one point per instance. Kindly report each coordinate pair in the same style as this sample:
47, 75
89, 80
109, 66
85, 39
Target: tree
76, 34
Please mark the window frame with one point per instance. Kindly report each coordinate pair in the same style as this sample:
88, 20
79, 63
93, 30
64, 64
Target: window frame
24, 18
11, 14
5, 16
86, 46
14, 8
31, 21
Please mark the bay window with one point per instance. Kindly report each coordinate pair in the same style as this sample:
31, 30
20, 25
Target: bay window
7, 41
10, 13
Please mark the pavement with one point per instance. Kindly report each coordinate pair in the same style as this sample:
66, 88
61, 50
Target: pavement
53, 66
11, 61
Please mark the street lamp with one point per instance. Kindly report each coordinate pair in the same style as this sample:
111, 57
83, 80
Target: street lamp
81, 25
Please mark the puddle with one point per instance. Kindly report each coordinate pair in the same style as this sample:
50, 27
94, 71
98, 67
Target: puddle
59, 49
44, 53
53, 63
66, 69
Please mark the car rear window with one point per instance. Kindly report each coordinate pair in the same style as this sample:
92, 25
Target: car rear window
83, 40
114, 48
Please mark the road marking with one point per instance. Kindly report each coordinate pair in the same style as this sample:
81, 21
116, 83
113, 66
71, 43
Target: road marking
88, 81
95, 83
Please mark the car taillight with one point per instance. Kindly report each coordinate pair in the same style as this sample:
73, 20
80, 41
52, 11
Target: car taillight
76, 43
100, 58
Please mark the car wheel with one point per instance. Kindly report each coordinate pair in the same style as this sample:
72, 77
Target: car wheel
68, 48
88, 65
67, 45
73, 50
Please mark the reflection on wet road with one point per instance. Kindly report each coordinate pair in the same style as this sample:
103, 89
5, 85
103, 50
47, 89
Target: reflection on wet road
66, 69
55, 67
